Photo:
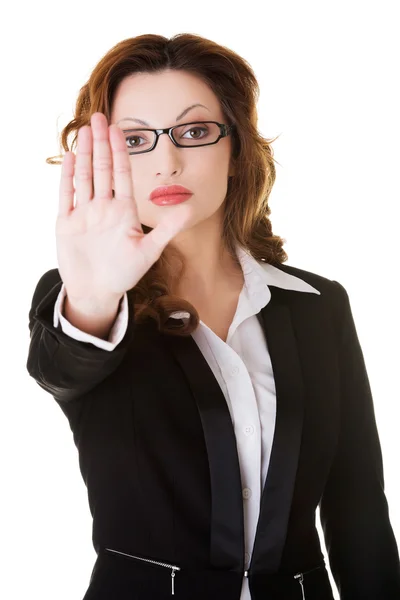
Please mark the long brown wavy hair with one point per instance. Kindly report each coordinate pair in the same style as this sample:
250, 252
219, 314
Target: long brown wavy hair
246, 209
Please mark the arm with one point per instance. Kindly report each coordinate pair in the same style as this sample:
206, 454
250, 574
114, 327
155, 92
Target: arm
66, 367
362, 550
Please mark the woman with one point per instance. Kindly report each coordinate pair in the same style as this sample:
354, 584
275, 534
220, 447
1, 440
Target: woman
217, 397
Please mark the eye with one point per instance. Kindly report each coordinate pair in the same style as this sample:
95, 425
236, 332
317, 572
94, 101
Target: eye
133, 137
197, 128
130, 138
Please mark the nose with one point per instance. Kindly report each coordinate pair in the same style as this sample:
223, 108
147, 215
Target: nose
167, 156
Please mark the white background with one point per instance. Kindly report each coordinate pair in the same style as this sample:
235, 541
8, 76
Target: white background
329, 79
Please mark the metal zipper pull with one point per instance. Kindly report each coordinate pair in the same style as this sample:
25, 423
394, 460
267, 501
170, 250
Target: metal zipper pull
172, 581
154, 562
300, 577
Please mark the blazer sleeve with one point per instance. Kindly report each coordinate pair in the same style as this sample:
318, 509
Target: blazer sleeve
63, 366
362, 549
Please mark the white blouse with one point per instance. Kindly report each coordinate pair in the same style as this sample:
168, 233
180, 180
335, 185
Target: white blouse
242, 367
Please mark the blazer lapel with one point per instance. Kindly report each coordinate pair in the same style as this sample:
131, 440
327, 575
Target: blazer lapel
279, 485
227, 525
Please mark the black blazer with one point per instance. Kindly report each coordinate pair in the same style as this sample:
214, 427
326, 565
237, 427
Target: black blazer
158, 455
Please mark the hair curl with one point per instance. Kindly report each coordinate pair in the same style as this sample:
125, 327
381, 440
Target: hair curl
246, 209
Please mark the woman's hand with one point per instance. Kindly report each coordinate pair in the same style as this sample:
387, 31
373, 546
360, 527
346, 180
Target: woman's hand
101, 249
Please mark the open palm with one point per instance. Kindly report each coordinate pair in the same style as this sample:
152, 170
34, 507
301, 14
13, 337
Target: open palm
101, 249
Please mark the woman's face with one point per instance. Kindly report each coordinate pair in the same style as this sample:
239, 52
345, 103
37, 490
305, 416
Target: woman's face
158, 99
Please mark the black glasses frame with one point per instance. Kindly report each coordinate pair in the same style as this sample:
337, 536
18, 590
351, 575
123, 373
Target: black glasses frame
225, 130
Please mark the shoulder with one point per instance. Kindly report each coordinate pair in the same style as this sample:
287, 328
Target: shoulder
314, 279
332, 292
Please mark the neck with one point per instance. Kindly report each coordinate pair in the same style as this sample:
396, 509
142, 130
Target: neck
208, 267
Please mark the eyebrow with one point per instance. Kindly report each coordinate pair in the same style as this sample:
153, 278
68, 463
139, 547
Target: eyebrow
177, 118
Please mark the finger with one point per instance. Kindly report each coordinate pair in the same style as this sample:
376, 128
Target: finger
83, 166
102, 159
122, 171
158, 238
66, 189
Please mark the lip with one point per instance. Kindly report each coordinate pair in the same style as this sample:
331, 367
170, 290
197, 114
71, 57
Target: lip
171, 199
166, 190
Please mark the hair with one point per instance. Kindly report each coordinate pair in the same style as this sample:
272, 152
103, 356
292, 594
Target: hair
246, 209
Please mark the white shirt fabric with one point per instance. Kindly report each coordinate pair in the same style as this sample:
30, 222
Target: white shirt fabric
242, 367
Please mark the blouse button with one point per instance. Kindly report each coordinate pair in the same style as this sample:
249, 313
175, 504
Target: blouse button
246, 493
249, 430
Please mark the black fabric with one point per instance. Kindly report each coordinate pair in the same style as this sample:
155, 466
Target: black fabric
158, 455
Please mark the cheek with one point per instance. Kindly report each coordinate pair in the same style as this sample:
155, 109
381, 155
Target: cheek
211, 172
214, 176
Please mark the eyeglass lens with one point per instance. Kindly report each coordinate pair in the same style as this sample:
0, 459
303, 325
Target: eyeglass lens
193, 134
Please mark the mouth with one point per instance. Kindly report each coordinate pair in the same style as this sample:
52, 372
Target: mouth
169, 199
166, 190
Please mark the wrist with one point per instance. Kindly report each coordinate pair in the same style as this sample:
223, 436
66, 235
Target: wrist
95, 304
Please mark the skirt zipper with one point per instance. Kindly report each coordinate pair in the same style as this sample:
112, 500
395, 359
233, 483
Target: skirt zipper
155, 562
300, 578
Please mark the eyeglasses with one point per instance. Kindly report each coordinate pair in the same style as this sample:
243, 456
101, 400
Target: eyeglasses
206, 134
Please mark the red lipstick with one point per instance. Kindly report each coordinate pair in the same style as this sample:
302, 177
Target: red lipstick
170, 194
